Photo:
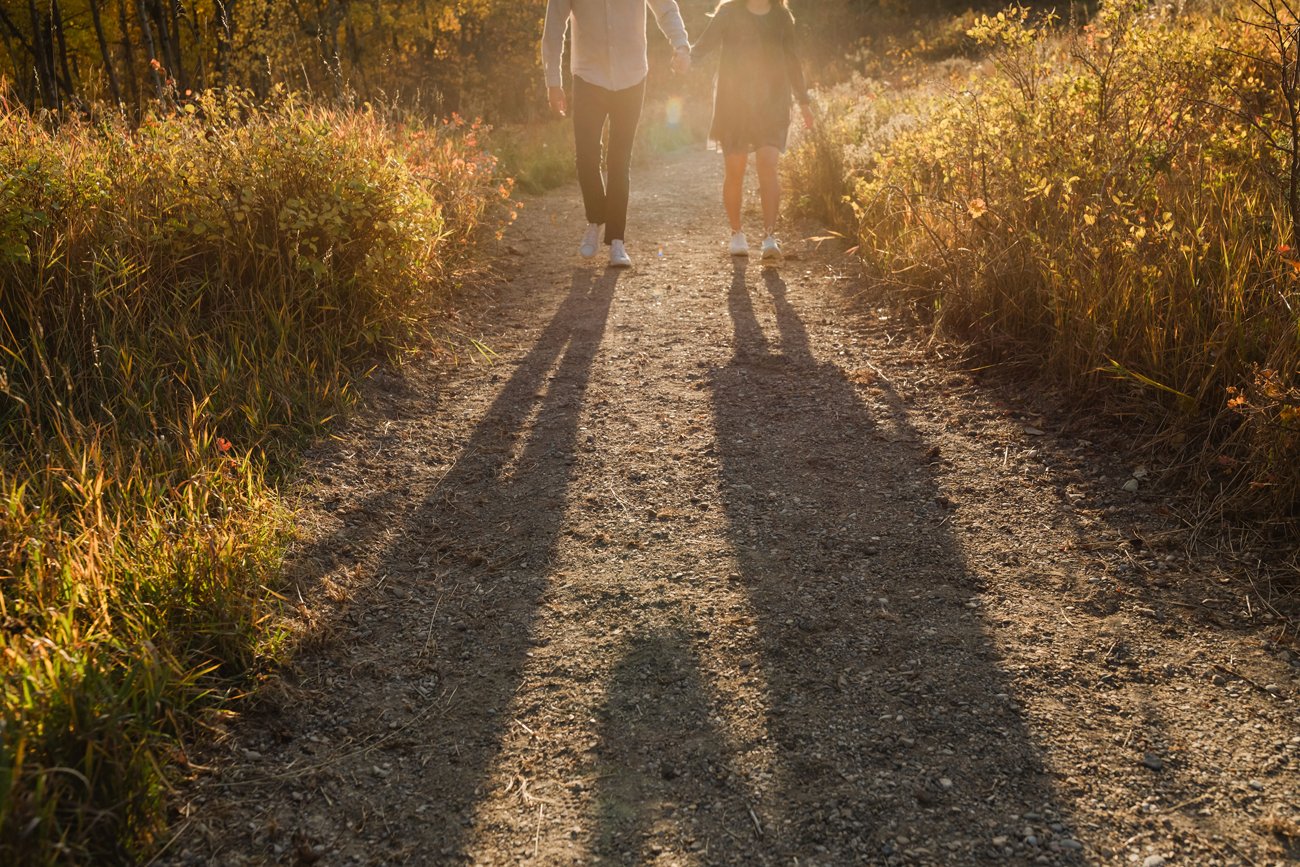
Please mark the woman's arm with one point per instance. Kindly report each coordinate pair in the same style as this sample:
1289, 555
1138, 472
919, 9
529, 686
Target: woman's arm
794, 73
711, 38
793, 68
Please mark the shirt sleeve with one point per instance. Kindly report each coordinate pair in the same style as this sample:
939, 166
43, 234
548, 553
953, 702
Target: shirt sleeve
557, 21
793, 68
669, 18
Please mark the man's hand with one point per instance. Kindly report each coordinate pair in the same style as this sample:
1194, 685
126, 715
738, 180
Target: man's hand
808, 120
559, 102
681, 61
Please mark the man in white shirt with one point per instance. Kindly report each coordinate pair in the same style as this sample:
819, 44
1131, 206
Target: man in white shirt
609, 64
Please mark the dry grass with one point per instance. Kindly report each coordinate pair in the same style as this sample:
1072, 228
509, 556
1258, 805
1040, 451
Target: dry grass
181, 305
1097, 202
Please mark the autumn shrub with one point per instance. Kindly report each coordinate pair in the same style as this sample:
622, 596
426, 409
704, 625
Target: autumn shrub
180, 306
1104, 202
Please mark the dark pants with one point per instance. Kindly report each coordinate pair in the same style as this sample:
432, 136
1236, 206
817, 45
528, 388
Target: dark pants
605, 197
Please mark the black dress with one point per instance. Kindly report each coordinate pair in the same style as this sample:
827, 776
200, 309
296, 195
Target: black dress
757, 74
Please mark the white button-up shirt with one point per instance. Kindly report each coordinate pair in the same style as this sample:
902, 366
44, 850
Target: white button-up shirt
609, 39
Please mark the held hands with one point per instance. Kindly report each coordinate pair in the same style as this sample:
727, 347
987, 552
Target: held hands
559, 103
681, 63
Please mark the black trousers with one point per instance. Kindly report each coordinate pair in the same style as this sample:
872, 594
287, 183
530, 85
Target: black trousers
605, 198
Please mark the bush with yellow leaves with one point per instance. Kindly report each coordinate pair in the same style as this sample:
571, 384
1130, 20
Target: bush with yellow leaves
1105, 202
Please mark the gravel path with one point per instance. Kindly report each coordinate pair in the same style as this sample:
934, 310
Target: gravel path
706, 569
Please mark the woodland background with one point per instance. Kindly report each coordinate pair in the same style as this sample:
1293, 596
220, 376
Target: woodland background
470, 56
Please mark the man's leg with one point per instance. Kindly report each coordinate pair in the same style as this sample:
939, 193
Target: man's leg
624, 114
590, 106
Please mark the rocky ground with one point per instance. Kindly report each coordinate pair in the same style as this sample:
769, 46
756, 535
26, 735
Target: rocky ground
706, 568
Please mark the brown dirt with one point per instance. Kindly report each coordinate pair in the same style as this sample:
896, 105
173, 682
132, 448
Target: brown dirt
706, 569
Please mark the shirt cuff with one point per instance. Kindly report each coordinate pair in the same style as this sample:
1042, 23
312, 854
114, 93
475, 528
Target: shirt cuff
554, 79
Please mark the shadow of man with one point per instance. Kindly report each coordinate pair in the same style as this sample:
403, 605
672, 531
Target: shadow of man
663, 765
481, 542
893, 731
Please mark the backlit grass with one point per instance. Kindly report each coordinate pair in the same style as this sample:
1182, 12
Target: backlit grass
1099, 202
181, 305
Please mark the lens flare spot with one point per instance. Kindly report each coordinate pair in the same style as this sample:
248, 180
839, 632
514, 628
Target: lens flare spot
673, 111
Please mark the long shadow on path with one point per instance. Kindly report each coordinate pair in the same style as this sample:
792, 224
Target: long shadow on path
500, 510
664, 766
436, 680
895, 738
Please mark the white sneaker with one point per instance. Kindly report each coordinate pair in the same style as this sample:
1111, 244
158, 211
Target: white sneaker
771, 250
739, 245
618, 257
590, 241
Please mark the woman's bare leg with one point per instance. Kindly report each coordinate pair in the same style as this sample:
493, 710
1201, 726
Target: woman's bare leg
769, 186
733, 187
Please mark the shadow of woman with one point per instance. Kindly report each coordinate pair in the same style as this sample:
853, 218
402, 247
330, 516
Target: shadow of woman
894, 732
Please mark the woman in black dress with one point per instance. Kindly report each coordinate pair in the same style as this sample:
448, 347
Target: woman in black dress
758, 75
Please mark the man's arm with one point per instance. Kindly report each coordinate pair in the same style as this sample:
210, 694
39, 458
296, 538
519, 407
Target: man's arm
669, 19
557, 21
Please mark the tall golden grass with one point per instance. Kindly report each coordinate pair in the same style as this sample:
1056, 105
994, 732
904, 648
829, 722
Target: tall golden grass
1097, 201
180, 306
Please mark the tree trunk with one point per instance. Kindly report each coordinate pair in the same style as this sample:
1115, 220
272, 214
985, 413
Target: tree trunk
152, 49
42, 53
222, 11
109, 67
68, 82
169, 37
22, 82
200, 71
128, 53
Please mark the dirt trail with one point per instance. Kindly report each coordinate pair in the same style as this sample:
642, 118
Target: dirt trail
706, 570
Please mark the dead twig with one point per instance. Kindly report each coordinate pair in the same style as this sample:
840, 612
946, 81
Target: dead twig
1242, 677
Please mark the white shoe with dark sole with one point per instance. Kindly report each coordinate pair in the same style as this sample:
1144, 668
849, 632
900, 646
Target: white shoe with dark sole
618, 257
590, 241
771, 250
739, 246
